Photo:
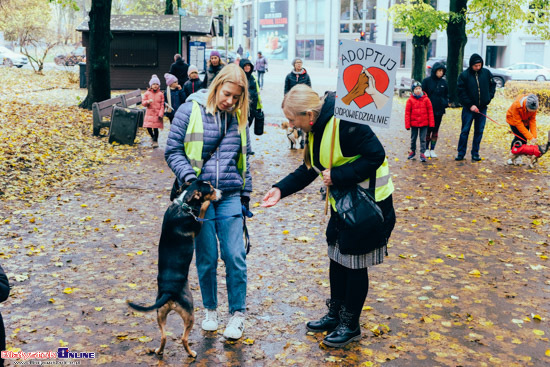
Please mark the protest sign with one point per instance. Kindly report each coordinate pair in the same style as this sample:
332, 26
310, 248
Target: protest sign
366, 76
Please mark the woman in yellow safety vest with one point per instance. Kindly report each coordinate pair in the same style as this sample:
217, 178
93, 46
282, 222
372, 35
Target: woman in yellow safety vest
209, 141
358, 157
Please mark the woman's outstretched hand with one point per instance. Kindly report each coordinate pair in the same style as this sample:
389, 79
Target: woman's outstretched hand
271, 198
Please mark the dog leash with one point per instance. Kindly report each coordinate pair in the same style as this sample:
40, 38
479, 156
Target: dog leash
245, 214
511, 132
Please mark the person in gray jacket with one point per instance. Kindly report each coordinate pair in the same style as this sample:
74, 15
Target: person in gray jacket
209, 120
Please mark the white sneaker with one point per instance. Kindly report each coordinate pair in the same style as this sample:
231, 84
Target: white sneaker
235, 326
427, 154
432, 154
210, 322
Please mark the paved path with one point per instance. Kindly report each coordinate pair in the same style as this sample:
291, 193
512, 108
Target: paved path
466, 274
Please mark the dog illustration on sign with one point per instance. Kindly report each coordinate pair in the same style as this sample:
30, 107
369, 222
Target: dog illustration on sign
365, 86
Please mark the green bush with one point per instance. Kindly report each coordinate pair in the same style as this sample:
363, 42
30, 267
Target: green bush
540, 89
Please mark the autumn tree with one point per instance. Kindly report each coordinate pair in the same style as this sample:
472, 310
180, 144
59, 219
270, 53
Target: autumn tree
26, 22
99, 50
491, 18
419, 19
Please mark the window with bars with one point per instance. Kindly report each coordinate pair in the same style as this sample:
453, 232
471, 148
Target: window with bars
134, 50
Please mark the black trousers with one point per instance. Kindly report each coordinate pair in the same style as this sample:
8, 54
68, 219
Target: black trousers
350, 286
154, 132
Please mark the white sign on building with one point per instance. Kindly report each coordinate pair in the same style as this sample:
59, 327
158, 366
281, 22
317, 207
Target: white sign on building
366, 76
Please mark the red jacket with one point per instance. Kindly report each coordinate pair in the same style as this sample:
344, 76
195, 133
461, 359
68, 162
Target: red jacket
419, 112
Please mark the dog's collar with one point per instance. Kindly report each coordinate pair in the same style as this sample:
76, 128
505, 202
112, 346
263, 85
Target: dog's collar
186, 207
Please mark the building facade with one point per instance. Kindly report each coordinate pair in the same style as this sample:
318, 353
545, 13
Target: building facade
312, 29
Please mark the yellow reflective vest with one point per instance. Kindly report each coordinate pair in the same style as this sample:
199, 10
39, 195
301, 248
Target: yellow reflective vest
384, 185
194, 142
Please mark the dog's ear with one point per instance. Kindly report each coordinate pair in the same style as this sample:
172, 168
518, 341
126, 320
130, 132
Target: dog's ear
284, 125
197, 195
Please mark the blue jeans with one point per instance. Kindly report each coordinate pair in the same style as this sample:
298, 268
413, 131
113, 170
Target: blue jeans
261, 78
467, 118
229, 233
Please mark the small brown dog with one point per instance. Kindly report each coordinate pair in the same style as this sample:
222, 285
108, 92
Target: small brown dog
176, 246
294, 135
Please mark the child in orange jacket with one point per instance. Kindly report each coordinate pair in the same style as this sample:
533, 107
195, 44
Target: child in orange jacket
522, 117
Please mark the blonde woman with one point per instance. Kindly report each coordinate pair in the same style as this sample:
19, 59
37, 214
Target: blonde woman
358, 159
209, 140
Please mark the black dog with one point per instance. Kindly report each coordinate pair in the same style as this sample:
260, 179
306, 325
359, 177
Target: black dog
176, 246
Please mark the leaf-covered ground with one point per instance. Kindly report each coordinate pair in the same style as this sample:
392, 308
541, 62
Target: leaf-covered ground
466, 282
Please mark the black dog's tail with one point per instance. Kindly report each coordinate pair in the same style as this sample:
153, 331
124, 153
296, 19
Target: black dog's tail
160, 302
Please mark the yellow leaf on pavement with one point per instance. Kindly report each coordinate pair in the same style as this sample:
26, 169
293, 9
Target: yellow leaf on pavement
144, 339
475, 273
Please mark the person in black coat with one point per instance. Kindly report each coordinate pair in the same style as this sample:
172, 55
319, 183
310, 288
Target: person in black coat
4, 294
194, 84
350, 250
476, 89
437, 89
253, 92
298, 75
179, 69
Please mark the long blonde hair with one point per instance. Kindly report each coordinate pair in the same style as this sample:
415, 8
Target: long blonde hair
230, 74
299, 101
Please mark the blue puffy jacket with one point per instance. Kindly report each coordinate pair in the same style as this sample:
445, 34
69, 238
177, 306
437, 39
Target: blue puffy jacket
221, 168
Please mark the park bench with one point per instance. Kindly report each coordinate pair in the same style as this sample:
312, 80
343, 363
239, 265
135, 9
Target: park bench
102, 111
404, 86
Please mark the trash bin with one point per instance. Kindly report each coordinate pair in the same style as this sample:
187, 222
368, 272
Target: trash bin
82, 66
124, 125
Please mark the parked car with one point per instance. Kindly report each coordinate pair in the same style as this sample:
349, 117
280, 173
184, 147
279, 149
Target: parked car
499, 77
231, 55
527, 71
11, 58
72, 58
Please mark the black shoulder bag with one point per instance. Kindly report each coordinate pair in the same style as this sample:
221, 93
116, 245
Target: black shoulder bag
357, 207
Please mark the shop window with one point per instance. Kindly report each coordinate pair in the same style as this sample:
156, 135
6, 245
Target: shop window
351, 16
310, 49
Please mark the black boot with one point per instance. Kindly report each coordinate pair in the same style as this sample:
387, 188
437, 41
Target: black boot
329, 321
347, 331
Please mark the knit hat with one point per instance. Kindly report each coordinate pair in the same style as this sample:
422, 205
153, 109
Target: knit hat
414, 85
192, 69
215, 53
154, 80
532, 102
170, 79
296, 59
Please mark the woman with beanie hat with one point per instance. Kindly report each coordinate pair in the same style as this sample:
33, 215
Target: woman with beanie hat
522, 117
174, 95
213, 67
153, 100
298, 75
194, 84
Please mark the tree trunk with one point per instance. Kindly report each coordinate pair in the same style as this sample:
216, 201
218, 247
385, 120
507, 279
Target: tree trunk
420, 53
99, 53
169, 8
456, 41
